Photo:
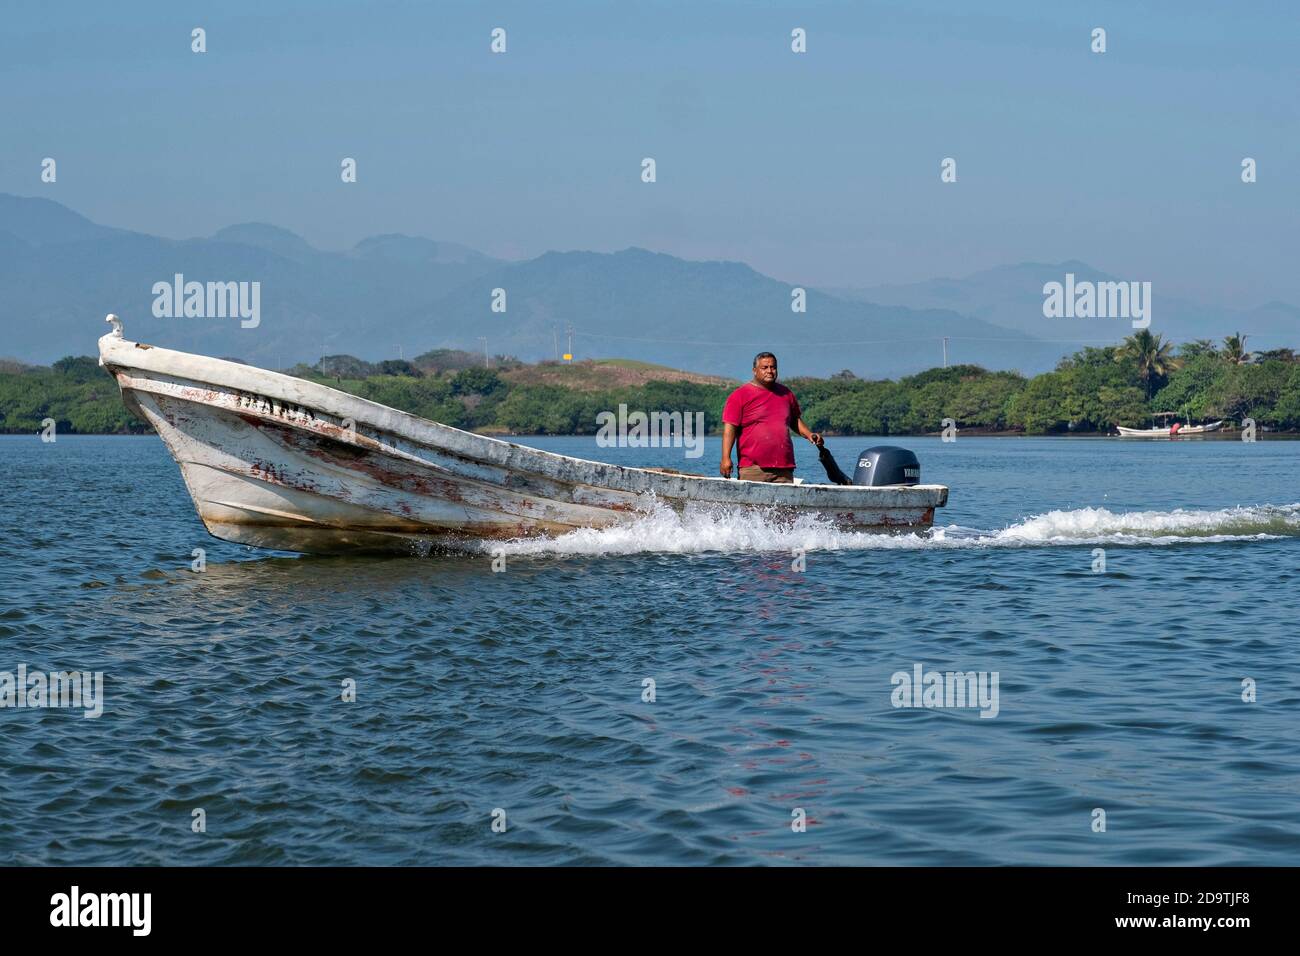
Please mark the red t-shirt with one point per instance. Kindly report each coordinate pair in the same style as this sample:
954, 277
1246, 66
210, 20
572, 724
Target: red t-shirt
764, 417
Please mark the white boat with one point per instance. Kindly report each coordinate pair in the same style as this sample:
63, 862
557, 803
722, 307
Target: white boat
1168, 432
275, 461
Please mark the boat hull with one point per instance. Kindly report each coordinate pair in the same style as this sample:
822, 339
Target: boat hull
277, 462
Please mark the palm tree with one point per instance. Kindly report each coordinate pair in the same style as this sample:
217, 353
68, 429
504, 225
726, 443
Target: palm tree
1196, 348
1151, 355
1234, 349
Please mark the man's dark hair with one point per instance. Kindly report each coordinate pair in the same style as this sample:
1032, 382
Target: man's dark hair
762, 355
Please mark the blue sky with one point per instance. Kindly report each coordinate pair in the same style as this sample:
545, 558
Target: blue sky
820, 168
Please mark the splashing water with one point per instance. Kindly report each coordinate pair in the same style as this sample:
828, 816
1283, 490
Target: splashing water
662, 530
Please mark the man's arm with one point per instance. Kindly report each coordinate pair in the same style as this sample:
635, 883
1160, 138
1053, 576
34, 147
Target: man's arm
729, 433
808, 433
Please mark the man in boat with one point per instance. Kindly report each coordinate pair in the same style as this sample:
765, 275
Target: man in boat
759, 416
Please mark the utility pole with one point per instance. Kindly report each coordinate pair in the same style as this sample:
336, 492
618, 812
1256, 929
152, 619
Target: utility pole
555, 333
568, 355
945, 351
483, 339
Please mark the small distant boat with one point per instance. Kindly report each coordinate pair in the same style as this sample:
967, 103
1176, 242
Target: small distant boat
278, 462
1169, 430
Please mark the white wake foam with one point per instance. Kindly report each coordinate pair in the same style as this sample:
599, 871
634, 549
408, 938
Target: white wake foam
662, 530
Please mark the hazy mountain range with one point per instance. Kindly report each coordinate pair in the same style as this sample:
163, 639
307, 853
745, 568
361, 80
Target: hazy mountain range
1012, 297
61, 273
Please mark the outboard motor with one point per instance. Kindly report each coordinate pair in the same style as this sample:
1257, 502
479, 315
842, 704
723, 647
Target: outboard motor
887, 465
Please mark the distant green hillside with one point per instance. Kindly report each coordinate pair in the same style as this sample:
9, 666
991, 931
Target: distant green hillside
78, 394
1091, 390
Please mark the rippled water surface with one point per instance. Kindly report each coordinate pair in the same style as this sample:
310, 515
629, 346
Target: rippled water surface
523, 690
